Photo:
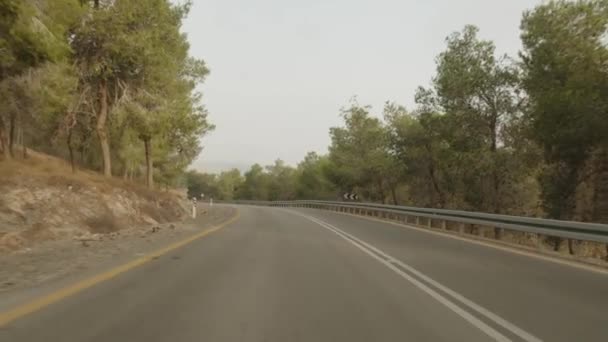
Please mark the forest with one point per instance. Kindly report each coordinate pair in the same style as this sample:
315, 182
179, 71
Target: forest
107, 85
110, 85
521, 135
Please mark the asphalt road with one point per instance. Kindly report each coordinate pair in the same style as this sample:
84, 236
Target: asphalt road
306, 275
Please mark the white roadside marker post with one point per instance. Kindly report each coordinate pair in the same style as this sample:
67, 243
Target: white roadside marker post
193, 207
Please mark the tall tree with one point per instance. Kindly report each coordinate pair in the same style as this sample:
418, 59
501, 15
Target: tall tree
255, 185
282, 180
359, 154
312, 181
31, 33
124, 47
419, 143
565, 60
228, 183
478, 94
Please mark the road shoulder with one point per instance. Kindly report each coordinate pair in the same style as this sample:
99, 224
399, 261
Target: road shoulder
60, 263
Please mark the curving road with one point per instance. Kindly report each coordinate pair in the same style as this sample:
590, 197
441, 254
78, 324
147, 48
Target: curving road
306, 275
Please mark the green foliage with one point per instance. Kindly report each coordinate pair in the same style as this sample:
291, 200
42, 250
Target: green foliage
311, 179
59, 57
32, 32
358, 153
564, 63
468, 118
228, 183
201, 184
255, 185
111, 83
281, 181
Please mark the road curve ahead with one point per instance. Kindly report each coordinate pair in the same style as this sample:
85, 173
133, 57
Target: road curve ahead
305, 275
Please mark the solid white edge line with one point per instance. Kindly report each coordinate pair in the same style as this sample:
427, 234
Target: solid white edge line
446, 302
497, 319
513, 249
481, 310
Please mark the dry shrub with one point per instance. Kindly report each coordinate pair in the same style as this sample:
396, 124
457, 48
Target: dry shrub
102, 224
11, 242
159, 214
38, 232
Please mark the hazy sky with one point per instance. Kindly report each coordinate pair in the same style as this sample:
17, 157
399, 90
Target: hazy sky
282, 69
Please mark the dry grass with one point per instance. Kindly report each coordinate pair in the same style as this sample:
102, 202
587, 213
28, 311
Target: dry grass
55, 171
36, 188
102, 224
37, 232
160, 213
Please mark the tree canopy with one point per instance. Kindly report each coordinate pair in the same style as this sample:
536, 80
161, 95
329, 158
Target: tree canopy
110, 84
523, 135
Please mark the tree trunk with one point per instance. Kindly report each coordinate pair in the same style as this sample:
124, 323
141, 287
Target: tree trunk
493, 148
394, 195
4, 141
71, 150
600, 186
381, 190
600, 189
435, 184
101, 128
11, 134
149, 175
495, 178
22, 141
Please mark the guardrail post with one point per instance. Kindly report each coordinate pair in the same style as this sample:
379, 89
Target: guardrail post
444, 224
461, 227
497, 233
430, 223
417, 220
539, 241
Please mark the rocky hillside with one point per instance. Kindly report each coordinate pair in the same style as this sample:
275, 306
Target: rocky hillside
41, 200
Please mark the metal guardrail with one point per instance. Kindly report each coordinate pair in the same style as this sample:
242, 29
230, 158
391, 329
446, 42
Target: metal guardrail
563, 229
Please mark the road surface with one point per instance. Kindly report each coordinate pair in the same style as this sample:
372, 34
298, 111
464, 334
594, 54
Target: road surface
306, 275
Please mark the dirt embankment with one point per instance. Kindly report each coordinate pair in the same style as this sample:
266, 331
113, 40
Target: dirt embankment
42, 200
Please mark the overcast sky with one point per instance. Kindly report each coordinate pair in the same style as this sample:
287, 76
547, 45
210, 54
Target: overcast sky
282, 69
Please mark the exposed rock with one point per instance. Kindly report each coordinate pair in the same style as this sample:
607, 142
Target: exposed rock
34, 209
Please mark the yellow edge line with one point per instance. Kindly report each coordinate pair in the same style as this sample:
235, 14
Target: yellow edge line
70, 290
